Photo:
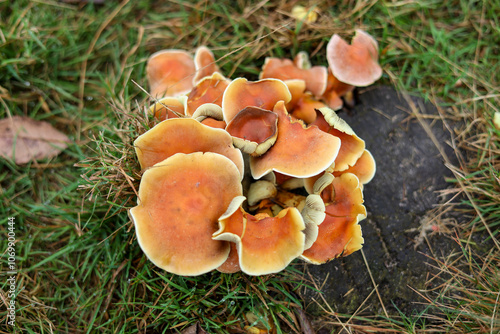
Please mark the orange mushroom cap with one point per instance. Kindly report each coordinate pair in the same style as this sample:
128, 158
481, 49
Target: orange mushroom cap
339, 234
297, 89
305, 109
299, 151
170, 73
335, 89
184, 135
285, 69
204, 62
169, 107
180, 201
364, 168
242, 93
209, 90
265, 244
254, 130
355, 64
352, 146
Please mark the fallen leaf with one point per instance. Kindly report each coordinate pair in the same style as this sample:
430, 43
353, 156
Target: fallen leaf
194, 329
23, 139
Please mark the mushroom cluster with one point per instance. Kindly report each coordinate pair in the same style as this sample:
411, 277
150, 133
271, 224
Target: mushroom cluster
245, 175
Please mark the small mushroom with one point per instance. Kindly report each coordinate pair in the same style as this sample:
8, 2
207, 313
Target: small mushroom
305, 109
263, 94
355, 64
170, 73
169, 107
205, 64
285, 69
335, 90
176, 213
184, 135
209, 90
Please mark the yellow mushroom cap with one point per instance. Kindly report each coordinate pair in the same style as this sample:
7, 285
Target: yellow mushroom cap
180, 201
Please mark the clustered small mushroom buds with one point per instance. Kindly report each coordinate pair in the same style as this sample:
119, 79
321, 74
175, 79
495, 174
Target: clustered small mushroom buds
224, 165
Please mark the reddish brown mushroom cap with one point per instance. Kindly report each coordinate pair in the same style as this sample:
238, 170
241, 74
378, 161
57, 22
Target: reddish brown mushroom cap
285, 69
209, 90
180, 201
170, 72
169, 107
204, 61
254, 130
263, 94
184, 135
339, 234
265, 244
355, 64
299, 151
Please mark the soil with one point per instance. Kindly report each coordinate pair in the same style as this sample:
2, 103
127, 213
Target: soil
399, 232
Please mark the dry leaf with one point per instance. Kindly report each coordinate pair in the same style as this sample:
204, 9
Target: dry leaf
23, 139
194, 329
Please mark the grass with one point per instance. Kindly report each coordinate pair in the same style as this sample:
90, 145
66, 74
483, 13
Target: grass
75, 65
